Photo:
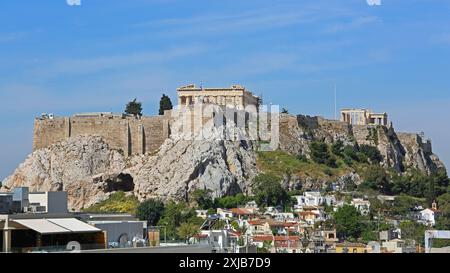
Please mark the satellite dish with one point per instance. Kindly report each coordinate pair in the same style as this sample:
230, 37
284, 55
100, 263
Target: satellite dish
73, 246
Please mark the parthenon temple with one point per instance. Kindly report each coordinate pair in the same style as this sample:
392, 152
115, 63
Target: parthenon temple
363, 117
235, 96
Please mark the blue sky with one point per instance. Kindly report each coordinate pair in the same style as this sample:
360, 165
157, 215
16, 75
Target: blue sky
63, 59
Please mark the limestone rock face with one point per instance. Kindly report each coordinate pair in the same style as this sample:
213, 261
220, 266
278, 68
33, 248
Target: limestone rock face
89, 171
294, 138
401, 151
419, 154
387, 142
69, 166
181, 166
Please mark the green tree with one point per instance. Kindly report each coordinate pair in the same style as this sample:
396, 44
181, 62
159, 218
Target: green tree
165, 104
443, 202
369, 235
404, 204
441, 181
372, 153
134, 108
338, 148
235, 225
151, 211
321, 155
174, 215
413, 231
350, 154
202, 198
376, 178
187, 230
421, 185
228, 202
269, 192
348, 222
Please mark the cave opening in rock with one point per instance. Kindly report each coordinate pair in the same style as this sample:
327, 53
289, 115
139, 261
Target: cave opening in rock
122, 182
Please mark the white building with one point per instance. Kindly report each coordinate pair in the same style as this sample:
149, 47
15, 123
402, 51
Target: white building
374, 247
426, 217
224, 213
309, 199
283, 216
221, 240
251, 205
363, 206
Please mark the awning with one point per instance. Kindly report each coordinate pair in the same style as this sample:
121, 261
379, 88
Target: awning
74, 225
57, 226
42, 226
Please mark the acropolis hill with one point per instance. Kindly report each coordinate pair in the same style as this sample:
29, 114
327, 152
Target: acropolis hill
92, 155
135, 135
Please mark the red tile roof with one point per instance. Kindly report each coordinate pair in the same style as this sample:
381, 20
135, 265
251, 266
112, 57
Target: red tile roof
306, 213
241, 211
287, 245
285, 238
262, 238
257, 222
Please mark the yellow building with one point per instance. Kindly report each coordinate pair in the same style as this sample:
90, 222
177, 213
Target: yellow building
354, 248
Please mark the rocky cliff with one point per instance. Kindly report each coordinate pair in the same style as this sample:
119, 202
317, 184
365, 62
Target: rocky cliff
401, 151
69, 165
89, 170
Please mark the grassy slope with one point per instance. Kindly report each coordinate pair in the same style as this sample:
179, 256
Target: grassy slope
280, 163
117, 203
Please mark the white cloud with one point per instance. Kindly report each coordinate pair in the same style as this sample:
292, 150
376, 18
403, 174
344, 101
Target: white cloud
85, 66
11, 37
356, 23
260, 19
374, 2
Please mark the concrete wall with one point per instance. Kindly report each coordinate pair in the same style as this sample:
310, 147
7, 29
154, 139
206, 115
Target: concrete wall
129, 134
55, 202
114, 230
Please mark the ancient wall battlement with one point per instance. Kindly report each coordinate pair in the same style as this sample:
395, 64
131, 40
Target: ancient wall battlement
418, 140
129, 134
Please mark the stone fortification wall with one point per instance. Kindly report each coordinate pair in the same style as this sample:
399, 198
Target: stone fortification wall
129, 134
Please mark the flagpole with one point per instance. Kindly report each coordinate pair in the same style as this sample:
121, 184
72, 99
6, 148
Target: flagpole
335, 102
